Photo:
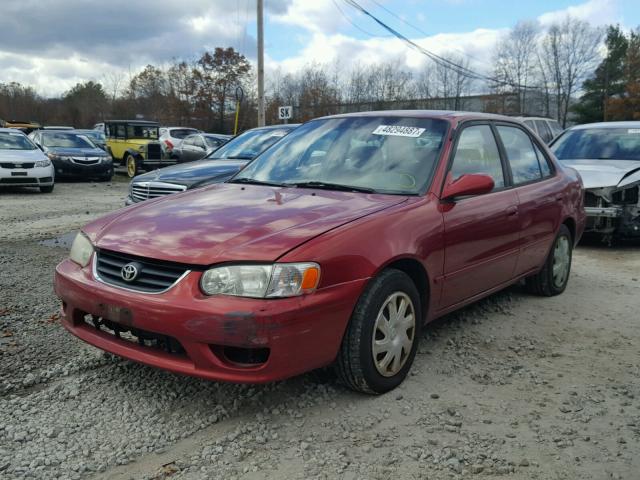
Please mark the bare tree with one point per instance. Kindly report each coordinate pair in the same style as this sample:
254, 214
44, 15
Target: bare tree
514, 61
569, 54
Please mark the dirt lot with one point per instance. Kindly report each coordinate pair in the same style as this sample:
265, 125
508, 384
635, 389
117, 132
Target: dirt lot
514, 387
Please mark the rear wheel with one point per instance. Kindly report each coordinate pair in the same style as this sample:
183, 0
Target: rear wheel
380, 343
554, 276
132, 166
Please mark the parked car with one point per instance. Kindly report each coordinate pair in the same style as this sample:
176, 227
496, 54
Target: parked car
74, 155
171, 137
22, 163
199, 145
546, 128
99, 126
334, 246
607, 155
219, 166
96, 136
135, 144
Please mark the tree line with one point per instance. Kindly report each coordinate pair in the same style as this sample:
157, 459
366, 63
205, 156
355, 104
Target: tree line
570, 70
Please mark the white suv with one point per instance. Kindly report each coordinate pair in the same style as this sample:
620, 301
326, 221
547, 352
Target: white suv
22, 164
546, 128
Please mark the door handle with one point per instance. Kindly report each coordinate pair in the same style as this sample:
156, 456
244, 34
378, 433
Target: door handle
513, 210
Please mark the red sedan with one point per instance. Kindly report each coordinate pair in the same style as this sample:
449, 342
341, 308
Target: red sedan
334, 247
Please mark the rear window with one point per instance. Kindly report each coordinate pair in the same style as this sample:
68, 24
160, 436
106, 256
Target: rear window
182, 132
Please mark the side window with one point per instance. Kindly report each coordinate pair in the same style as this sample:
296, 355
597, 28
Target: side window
522, 157
197, 141
544, 131
544, 163
531, 125
188, 141
120, 131
477, 152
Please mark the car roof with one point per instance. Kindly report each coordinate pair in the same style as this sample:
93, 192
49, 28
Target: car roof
135, 122
535, 118
443, 114
629, 124
12, 130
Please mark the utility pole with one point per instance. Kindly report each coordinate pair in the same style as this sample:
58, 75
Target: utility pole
261, 63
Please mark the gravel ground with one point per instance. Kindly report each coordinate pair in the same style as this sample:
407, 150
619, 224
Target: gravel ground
515, 386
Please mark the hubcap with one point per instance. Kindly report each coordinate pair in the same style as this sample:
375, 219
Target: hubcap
561, 261
393, 334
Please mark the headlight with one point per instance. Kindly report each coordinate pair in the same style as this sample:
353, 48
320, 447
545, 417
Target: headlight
81, 250
43, 163
261, 281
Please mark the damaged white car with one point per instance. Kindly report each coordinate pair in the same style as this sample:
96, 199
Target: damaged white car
607, 155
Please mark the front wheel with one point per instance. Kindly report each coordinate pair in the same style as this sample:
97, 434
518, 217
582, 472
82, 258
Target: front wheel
554, 276
132, 166
380, 343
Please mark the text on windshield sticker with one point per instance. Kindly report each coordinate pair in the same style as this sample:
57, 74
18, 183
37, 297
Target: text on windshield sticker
398, 131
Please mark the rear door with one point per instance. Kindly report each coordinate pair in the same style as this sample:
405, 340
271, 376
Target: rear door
481, 232
539, 194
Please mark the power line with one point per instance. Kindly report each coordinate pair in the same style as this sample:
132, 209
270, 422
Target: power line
346, 17
444, 62
419, 30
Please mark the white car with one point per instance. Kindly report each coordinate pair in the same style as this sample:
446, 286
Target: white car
172, 137
22, 164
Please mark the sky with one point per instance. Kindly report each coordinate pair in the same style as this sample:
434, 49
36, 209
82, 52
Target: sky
53, 44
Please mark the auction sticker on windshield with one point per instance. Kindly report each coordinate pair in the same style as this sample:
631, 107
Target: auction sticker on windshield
399, 131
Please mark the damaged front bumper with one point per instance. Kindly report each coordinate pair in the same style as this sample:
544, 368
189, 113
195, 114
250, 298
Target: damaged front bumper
613, 211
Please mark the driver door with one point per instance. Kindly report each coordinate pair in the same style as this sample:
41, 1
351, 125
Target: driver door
482, 232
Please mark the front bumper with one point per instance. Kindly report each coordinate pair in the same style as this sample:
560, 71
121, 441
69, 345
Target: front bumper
299, 334
27, 177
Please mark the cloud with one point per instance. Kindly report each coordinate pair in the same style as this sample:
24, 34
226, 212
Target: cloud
597, 12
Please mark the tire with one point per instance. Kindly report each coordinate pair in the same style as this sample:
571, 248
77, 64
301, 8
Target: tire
553, 278
107, 177
48, 189
355, 364
132, 166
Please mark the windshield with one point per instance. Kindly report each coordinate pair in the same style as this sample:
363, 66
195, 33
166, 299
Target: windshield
599, 143
15, 141
384, 154
94, 135
250, 144
182, 132
65, 140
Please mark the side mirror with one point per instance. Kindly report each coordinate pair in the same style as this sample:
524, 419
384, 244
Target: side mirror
468, 184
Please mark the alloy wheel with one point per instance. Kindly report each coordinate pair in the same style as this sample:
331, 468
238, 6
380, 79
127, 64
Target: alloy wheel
561, 261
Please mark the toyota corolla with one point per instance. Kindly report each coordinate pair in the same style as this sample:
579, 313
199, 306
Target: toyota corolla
334, 247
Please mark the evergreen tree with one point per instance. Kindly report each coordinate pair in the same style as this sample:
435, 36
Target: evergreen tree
607, 82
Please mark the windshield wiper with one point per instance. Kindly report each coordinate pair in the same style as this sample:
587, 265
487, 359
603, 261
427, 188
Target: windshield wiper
253, 181
332, 186
239, 157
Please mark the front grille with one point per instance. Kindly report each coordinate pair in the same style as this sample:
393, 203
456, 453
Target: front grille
154, 276
592, 200
141, 337
16, 165
85, 160
154, 151
145, 190
19, 180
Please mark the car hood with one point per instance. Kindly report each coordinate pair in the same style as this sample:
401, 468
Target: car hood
605, 173
193, 174
21, 155
76, 152
231, 222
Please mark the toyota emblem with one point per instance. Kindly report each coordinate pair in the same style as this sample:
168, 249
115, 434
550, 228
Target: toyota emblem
129, 272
